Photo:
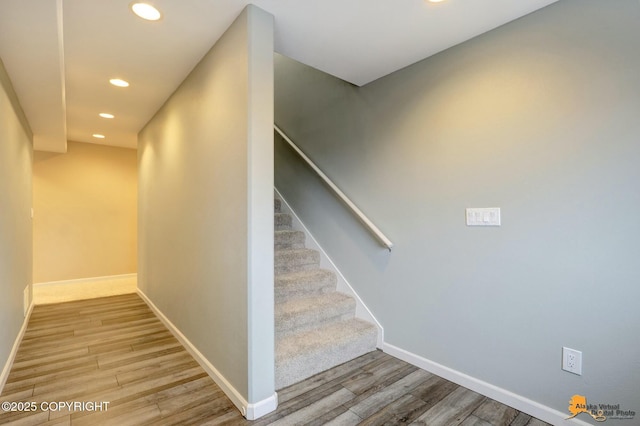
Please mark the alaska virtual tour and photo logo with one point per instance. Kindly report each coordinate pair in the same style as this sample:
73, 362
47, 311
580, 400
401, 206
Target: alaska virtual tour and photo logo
600, 412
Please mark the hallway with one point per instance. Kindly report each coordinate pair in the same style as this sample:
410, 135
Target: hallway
113, 355
110, 349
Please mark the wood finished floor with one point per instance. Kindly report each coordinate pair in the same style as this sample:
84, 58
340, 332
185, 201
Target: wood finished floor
114, 349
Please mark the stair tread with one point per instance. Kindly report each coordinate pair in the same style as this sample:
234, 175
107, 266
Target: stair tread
295, 256
288, 231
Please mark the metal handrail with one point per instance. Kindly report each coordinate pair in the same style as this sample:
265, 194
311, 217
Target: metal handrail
361, 216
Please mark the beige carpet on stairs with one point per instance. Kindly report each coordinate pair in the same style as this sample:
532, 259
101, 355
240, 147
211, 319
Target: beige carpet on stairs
316, 328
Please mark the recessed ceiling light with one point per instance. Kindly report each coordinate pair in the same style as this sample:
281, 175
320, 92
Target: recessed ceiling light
106, 115
98, 136
146, 11
118, 82
435, 1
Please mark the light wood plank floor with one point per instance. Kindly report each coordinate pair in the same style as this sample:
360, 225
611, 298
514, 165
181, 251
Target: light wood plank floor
114, 349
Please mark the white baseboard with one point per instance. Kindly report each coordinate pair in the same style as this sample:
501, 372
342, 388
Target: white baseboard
504, 396
14, 350
250, 411
84, 288
261, 408
362, 312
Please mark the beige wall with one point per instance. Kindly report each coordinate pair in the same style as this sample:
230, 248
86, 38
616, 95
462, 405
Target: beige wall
15, 215
85, 222
206, 206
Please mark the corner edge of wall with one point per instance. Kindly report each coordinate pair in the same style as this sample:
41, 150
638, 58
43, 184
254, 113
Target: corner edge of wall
251, 411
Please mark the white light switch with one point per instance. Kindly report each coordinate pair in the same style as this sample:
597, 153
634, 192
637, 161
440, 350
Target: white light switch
486, 216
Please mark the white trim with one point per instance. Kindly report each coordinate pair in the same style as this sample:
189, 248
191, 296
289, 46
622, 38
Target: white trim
250, 411
261, 408
12, 355
519, 402
87, 280
84, 288
362, 311
26, 303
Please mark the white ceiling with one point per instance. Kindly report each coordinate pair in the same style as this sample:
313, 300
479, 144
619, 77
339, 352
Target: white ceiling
60, 54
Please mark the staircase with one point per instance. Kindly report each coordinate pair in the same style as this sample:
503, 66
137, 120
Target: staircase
315, 326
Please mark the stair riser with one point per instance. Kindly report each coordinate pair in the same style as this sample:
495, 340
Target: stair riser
288, 246
290, 320
295, 268
282, 221
277, 206
285, 291
286, 239
304, 261
306, 323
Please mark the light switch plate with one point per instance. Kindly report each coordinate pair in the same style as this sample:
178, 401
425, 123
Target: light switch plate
485, 216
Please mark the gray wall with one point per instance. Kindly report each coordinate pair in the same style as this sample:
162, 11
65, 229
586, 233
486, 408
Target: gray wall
206, 206
538, 117
16, 155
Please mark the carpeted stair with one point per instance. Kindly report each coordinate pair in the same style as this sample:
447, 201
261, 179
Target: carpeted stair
315, 325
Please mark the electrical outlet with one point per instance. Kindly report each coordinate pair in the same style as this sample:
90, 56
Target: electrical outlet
572, 361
